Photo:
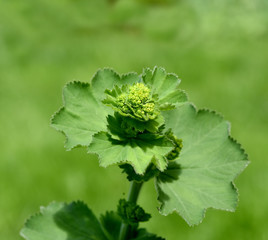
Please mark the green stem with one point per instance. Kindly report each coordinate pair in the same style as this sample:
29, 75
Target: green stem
133, 195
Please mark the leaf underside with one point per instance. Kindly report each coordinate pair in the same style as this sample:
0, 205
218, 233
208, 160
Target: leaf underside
209, 162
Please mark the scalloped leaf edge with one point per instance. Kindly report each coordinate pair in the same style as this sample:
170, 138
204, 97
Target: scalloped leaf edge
61, 109
204, 210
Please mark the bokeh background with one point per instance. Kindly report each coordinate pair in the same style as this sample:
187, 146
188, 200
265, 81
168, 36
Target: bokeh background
218, 48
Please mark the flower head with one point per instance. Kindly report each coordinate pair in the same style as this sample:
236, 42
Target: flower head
137, 102
131, 129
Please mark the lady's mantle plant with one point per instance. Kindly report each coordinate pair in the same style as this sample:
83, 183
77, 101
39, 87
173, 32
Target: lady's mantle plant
144, 124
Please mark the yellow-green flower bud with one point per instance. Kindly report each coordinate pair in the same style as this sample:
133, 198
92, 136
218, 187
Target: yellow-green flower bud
138, 101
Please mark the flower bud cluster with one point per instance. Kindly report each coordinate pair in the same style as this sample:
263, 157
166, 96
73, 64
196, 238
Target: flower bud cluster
177, 149
138, 101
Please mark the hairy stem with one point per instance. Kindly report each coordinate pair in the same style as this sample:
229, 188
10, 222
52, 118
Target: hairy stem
133, 195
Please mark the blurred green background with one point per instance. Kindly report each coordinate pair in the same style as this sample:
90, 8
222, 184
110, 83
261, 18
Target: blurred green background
218, 48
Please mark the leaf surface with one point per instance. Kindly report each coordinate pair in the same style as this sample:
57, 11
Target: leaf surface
144, 235
81, 117
60, 221
137, 152
131, 213
166, 86
112, 223
107, 79
209, 162
83, 113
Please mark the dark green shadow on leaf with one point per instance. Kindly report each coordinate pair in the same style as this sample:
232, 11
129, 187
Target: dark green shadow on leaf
210, 161
112, 223
79, 222
171, 173
137, 152
75, 221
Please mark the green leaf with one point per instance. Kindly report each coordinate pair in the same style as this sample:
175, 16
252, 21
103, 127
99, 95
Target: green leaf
81, 117
142, 234
171, 173
83, 114
112, 223
131, 213
60, 221
166, 86
112, 95
209, 162
123, 128
137, 152
107, 79
151, 171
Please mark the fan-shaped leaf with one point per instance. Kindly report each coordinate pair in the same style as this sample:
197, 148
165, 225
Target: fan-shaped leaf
209, 162
81, 117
